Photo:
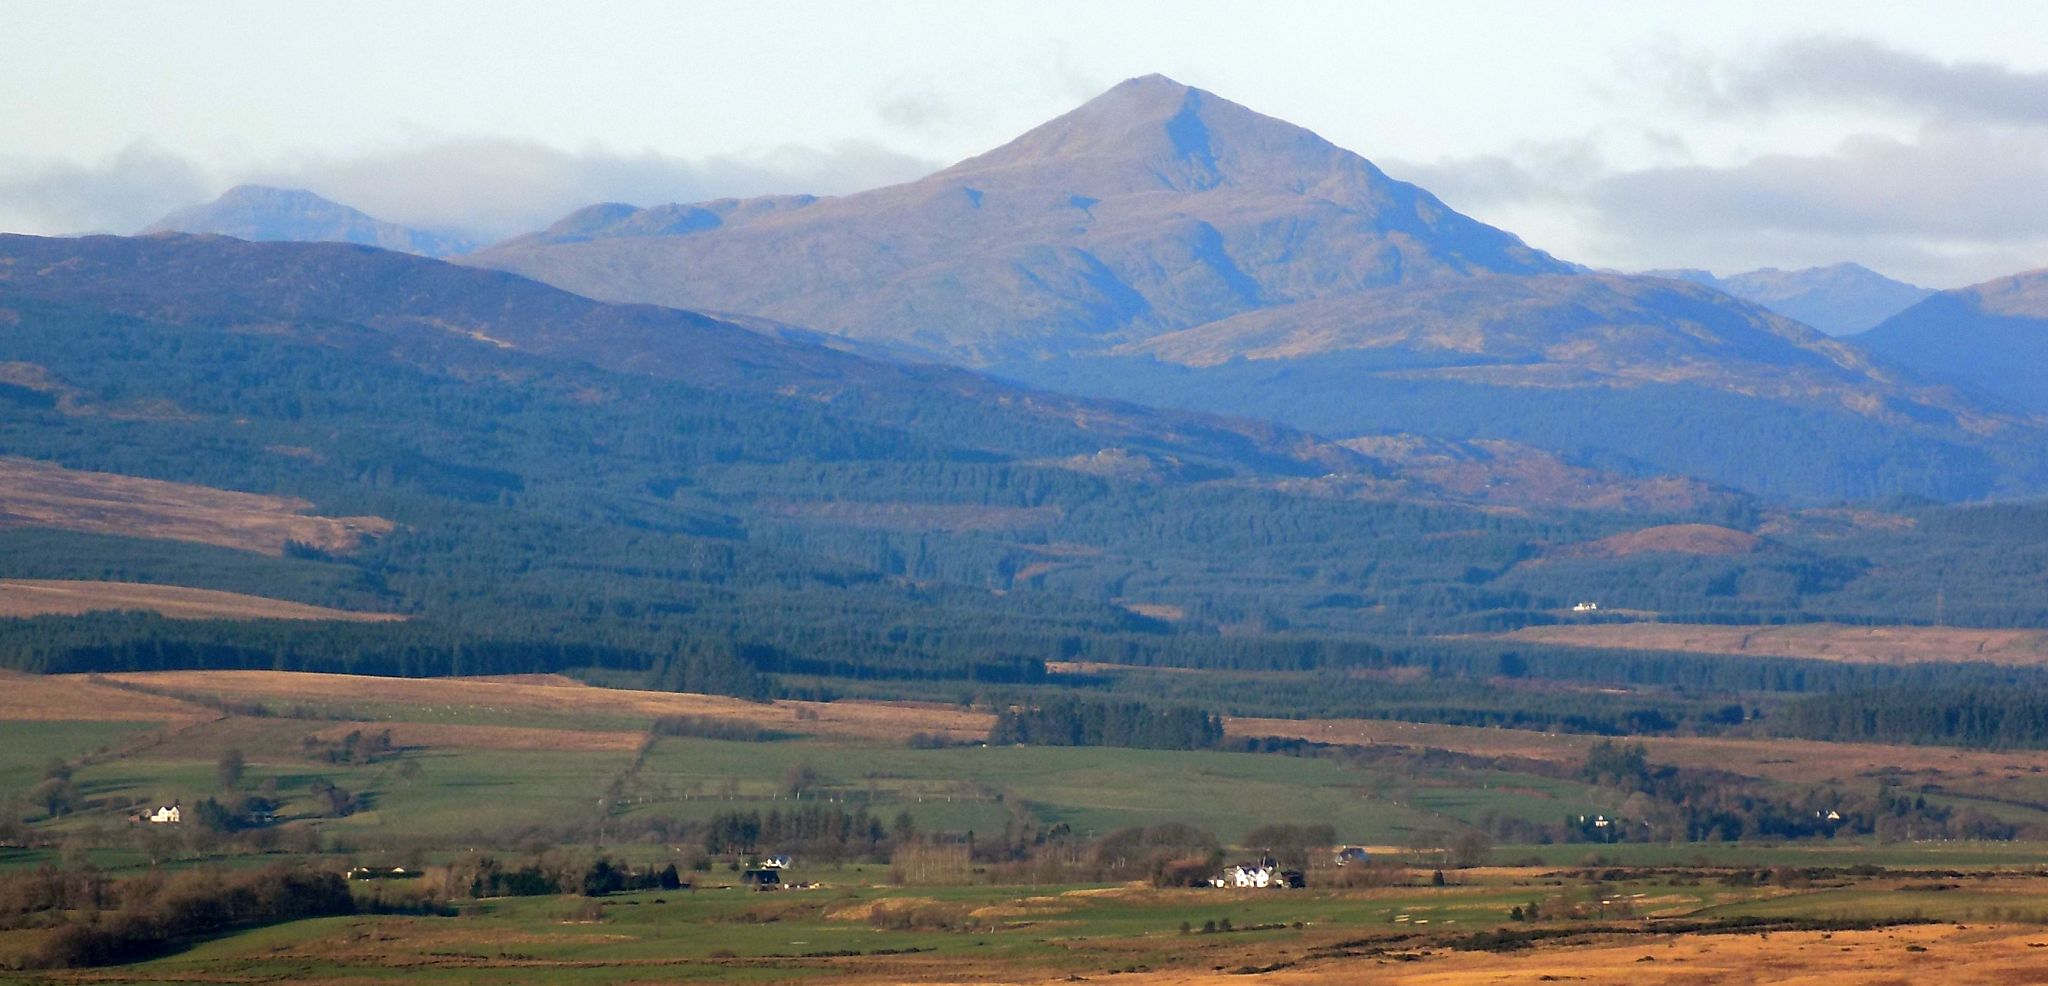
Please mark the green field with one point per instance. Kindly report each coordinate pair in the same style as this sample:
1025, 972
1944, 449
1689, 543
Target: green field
1092, 790
450, 795
731, 935
26, 748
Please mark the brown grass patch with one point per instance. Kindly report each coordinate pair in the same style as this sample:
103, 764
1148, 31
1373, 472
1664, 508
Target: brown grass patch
1942, 953
1818, 641
868, 909
50, 597
891, 721
1677, 539
38, 494
1157, 611
52, 698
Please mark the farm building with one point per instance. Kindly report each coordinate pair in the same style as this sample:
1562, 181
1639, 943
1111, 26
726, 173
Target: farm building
1262, 875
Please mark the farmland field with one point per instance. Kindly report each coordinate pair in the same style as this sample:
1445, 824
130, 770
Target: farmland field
541, 768
1819, 641
1632, 928
47, 597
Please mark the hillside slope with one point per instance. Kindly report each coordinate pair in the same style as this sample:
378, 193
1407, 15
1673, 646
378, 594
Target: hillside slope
1991, 336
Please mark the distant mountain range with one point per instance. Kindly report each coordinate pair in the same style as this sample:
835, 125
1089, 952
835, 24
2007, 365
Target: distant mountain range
261, 213
1840, 299
1163, 245
1991, 336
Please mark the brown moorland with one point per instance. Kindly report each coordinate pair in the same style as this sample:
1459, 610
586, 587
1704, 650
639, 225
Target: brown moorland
74, 697
1819, 641
1674, 539
38, 494
559, 695
51, 698
51, 597
1904, 955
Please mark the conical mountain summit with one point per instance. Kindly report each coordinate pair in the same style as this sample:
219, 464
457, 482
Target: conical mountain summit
1153, 207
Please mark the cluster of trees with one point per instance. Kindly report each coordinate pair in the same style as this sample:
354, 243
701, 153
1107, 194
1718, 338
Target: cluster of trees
2009, 718
356, 747
488, 876
814, 830
1664, 803
1072, 722
98, 921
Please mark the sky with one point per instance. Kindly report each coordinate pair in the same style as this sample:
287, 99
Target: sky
1717, 134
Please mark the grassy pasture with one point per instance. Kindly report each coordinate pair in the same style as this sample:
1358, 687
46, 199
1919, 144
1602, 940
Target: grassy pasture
1412, 933
30, 746
1093, 790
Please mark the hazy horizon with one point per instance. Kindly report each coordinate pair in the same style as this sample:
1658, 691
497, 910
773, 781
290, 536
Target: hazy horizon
1729, 137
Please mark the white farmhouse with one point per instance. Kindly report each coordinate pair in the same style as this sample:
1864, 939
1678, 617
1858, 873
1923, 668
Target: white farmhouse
1246, 875
166, 815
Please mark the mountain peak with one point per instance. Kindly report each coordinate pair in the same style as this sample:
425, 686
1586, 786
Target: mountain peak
268, 213
1152, 132
1155, 206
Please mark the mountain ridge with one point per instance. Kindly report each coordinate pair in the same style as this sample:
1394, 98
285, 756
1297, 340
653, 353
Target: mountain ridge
1839, 299
1991, 336
265, 213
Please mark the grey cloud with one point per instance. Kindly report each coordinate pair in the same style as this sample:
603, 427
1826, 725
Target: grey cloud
117, 194
919, 110
1957, 183
1524, 173
496, 188
480, 187
1955, 204
1856, 72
